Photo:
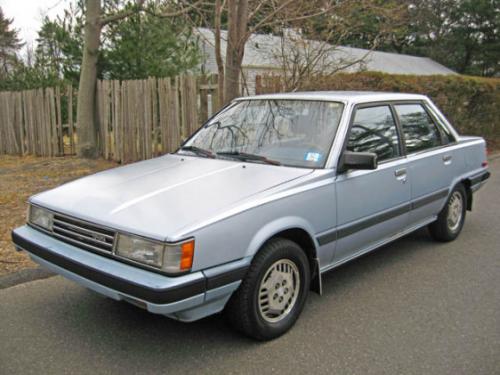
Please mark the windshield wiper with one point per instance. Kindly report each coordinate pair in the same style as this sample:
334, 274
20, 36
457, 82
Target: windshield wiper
248, 157
199, 151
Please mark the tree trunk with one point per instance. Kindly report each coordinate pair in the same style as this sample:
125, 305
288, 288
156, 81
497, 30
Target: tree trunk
232, 74
237, 36
86, 113
218, 55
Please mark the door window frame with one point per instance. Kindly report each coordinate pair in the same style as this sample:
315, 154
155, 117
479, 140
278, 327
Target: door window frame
402, 141
440, 124
441, 134
402, 148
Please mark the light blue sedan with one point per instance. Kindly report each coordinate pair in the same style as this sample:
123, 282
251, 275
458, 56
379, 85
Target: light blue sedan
269, 194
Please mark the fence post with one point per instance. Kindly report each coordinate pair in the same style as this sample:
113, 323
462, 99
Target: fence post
20, 122
258, 84
3, 125
71, 125
153, 87
203, 90
60, 134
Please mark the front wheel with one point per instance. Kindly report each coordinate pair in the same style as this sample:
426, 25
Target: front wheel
273, 293
451, 219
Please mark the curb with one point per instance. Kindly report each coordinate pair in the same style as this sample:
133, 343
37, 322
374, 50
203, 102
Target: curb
494, 156
24, 276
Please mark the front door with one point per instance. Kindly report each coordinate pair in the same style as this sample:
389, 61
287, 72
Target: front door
372, 205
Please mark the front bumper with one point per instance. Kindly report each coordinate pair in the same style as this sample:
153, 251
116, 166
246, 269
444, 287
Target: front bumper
187, 298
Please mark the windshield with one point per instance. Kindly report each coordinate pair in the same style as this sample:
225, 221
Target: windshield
296, 133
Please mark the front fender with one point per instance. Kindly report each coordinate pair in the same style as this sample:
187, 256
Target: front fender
276, 226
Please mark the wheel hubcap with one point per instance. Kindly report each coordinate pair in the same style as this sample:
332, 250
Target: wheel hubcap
455, 211
279, 290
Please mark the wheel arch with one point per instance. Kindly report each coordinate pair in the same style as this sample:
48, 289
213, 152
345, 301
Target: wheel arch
294, 229
466, 182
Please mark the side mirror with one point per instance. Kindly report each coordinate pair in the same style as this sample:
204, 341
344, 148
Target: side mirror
358, 160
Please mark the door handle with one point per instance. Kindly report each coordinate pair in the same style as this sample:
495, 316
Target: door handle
400, 174
447, 159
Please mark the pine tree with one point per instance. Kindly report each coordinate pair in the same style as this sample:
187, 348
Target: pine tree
10, 44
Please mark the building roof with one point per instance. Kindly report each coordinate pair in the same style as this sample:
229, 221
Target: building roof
341, 96
261, 53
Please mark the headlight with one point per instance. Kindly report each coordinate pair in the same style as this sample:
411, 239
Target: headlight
40, 217
168, 258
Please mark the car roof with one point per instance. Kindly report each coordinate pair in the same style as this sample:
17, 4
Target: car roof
342, 96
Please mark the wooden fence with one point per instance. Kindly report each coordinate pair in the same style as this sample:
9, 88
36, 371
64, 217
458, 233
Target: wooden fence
31, 122
269, 83
137, 119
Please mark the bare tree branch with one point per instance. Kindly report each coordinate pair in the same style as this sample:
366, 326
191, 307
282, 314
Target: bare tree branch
302, 60
182, 7
121, 15
268, 17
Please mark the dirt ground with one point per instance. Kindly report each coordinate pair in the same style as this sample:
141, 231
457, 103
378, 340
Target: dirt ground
21, 177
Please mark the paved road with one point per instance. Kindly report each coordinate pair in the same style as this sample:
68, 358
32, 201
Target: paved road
413, 307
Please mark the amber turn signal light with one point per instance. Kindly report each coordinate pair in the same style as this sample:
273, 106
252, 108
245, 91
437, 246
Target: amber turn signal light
187, 255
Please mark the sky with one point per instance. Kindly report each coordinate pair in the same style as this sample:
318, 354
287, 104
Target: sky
28, 15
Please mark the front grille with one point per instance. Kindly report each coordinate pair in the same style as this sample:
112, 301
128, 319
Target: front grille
82, 234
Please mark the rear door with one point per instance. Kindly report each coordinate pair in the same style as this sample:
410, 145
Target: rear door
372, 204
431, 162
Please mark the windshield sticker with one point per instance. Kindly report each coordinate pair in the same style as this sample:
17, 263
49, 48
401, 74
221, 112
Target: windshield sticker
313, 156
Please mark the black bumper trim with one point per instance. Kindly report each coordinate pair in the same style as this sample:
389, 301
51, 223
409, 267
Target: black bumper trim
225, 278
157, 296
480, 177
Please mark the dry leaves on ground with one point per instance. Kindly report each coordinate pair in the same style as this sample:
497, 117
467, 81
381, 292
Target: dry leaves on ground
21, 177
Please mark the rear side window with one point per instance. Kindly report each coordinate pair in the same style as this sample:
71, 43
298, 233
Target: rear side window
446, 135
374, 130
419, 131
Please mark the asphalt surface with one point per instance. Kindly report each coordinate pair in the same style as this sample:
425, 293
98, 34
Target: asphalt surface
412, 307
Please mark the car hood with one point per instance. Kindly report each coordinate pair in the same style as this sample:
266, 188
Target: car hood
158, 197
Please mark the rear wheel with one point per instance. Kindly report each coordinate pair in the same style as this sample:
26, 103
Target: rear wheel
273, 293
451, 219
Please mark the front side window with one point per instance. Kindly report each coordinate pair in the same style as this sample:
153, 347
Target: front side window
419, 130
295, 133
374, 130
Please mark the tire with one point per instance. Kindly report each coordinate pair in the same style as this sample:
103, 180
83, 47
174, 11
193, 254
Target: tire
279, 278
451, 219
